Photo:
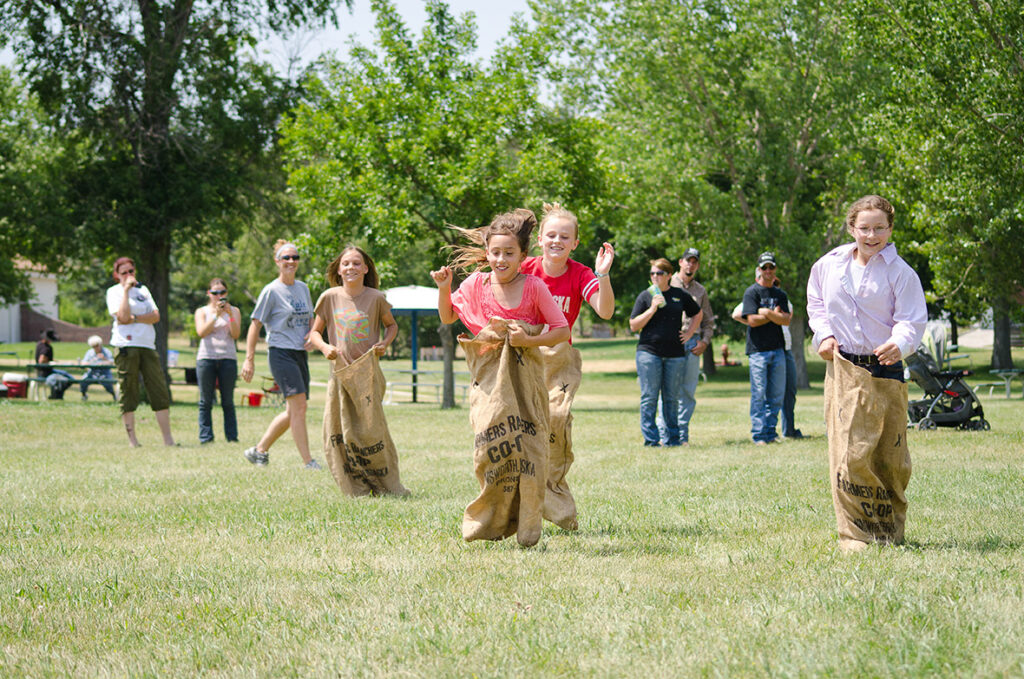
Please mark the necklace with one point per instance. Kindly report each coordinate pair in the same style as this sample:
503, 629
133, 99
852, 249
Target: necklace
512, 280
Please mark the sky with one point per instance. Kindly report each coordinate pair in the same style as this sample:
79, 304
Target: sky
493, 18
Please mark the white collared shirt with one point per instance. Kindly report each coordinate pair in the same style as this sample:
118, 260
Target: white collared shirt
886, 306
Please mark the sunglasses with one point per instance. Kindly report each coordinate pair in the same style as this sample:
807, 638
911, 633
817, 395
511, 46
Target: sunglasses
125, 272
293, 258
767, 266
659, 273
218, 292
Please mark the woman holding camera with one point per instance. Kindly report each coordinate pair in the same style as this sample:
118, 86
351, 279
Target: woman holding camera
218, 325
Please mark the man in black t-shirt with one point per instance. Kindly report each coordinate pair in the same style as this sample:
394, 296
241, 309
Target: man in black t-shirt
765, 311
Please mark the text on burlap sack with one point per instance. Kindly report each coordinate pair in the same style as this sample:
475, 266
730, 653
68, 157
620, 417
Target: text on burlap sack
876, 513
500, 441
358, 459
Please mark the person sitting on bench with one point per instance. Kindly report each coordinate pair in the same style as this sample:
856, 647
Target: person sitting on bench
99, 359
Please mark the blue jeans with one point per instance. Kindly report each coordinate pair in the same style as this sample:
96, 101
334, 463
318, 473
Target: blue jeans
94, 376
58, 381
767, 390
687, 395
789, 398
210, 371
659, 377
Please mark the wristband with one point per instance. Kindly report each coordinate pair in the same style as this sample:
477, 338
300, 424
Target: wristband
600, 275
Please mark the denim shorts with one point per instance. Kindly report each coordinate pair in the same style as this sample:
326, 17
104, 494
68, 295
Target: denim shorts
290, 368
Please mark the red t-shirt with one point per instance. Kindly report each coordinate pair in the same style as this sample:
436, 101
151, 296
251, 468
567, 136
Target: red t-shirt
578, 283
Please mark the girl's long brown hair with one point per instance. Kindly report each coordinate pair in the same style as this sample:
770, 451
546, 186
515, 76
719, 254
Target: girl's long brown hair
472, 257
370, 280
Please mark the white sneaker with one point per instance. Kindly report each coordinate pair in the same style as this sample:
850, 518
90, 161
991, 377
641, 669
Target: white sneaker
256, 457
312, 465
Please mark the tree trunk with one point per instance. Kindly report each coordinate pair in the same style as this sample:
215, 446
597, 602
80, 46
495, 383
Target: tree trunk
446, 330
954, 334
709, 359
797, 330
1001, 357
155, 273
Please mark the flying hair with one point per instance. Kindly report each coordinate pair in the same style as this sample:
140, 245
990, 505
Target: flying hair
518, 223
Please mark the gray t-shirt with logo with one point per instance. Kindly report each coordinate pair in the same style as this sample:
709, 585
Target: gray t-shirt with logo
285, 311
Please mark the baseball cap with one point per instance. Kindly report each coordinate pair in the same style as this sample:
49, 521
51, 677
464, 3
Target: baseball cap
691, 252
766, 258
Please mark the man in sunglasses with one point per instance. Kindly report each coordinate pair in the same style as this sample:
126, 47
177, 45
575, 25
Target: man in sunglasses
765, 311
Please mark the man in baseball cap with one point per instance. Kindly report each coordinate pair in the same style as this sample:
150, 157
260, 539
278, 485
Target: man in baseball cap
685, 279
765, 311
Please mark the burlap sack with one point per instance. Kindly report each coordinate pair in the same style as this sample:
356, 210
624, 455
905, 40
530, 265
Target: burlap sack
357, 443
563, 368
508, 410
869, 462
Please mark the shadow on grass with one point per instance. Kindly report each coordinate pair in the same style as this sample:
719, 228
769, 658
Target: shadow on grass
983, 545
610, 540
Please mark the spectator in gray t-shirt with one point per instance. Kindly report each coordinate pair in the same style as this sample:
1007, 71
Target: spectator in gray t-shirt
286, 308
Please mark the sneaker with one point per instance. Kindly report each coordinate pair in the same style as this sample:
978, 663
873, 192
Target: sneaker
313, 465
256, 457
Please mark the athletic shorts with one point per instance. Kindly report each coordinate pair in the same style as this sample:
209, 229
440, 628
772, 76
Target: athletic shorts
290, 368
132, 362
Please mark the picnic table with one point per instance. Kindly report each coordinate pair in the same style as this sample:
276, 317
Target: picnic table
414, 384
34, 391
1007, 375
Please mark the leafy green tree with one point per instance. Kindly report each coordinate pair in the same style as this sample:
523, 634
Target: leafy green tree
29, 171
167, 120
730, 117
952, 127
399, 141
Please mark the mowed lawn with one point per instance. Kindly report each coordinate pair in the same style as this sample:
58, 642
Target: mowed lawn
715, 560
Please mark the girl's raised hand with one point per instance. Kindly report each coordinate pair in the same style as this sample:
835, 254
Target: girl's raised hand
605, 257
443, 276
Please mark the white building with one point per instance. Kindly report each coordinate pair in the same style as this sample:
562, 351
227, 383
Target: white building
44, 301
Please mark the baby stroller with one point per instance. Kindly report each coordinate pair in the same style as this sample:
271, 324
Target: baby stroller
948, 400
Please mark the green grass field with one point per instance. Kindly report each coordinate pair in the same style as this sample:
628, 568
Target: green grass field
716, 560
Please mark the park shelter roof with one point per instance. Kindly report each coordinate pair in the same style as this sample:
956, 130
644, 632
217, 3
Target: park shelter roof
408, 298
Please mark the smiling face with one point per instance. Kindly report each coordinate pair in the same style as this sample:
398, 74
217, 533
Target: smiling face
504, 256
871, 230
287, 261
557, 239
766, 275
352, 268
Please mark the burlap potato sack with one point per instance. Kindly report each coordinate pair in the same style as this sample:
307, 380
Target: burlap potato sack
357, 443
563, 369
508, 410
869, 462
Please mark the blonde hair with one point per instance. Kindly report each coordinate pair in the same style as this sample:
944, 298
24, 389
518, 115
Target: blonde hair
518, 223
281, 242
869, 202
94, 340
556, 211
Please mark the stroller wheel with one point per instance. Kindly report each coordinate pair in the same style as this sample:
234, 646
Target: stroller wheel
927, 424
983, 425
